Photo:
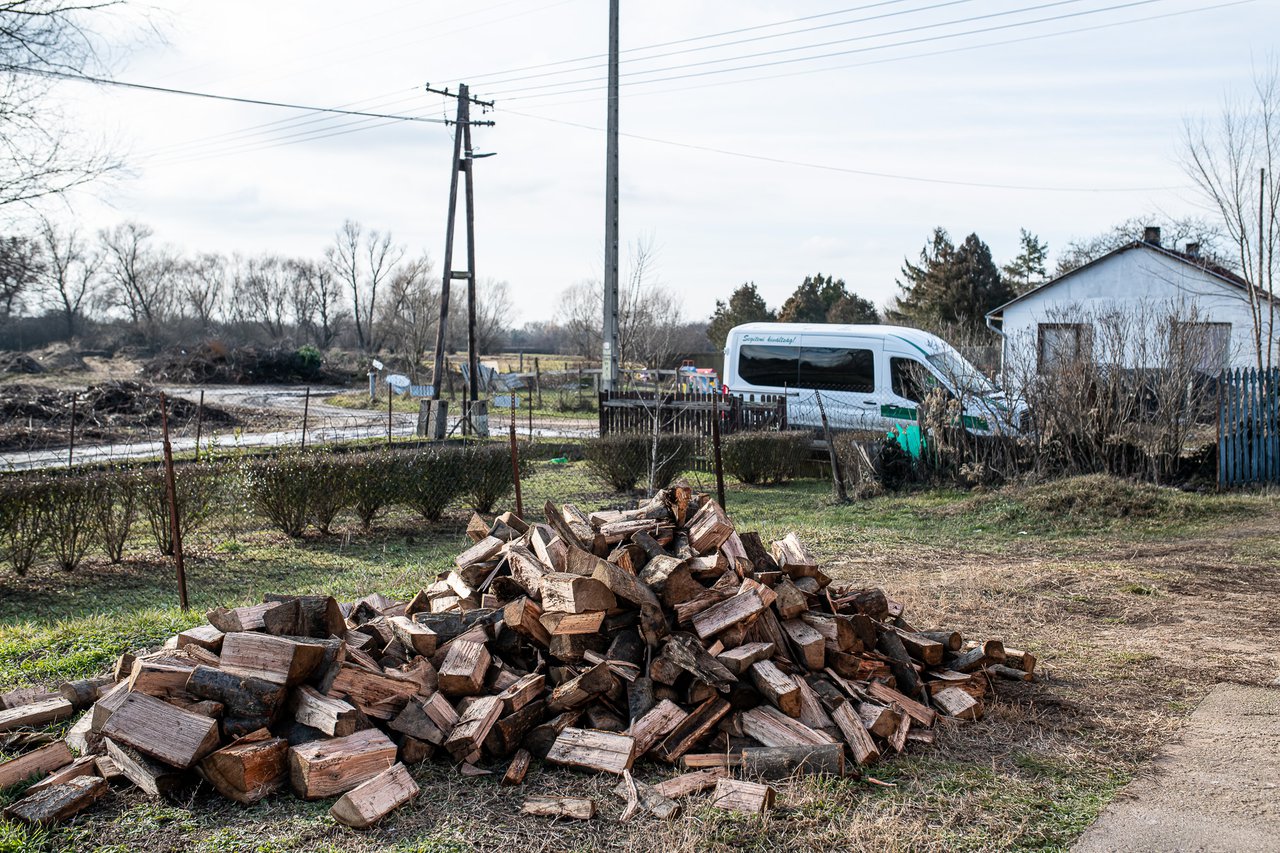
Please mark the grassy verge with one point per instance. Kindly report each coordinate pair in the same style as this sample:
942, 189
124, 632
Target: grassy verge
1098, 579
359, 400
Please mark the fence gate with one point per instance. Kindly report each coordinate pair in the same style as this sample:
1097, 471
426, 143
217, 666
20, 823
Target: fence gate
1249, 427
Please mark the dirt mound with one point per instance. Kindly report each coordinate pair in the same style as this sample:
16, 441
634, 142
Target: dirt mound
214, 362
19, 362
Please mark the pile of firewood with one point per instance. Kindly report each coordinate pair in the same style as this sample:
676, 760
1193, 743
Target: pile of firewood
586, 641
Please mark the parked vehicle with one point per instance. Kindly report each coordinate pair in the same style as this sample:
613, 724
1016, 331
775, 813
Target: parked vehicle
869, 377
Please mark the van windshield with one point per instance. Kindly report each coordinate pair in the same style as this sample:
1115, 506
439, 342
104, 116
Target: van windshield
962, 375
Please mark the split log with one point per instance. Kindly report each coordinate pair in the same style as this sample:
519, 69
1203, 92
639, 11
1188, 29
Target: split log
86, 765
572, 808
560, 624
808, 643
372, 800
415, 722
248, 618
523, 616
781, 762
920, 713
327, 768
726, 614
739, 659
992, 651
334, 717
791, 602
518, 768
414, 635
735, 795
955, 702
376, 694
473, 726
904, 672
1019, 659
240, 695
581, 689
274, 659
82, 738
773, 728
569, 593
776, 687
58, 802
690, 783
692, 730
154, 778
312, 616
603, 752
653, 623
463, 671
641, 796
40, 762
656, 724
249, 768
159, 678
541, 737
1010, 672
203, 636
155, 728
709, 528
689, 655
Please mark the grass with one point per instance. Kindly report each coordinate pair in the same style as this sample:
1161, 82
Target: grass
569, 407
1098, 579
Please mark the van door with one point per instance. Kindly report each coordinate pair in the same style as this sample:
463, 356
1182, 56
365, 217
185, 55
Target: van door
843, 370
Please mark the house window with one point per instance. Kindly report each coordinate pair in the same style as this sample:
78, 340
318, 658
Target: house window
1063, 343
837, 369
1204, 346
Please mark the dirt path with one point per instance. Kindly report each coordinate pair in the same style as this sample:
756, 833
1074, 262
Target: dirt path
1216, 789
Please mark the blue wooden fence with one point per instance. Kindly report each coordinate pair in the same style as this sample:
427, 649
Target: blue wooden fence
1249, 427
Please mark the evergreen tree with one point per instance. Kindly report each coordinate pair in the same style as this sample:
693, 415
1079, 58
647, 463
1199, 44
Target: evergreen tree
808, 303
951, 287
852, 308
1027, 270
744, 306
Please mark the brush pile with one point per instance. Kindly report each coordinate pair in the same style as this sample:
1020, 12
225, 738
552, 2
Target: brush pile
587, 641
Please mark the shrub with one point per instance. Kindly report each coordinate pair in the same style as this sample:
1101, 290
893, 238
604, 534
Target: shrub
327, 476
488, 475
69, 504
623, 460
765, 457
431, 479
372, 482
280, 489
115, 509
22, 522
196, 490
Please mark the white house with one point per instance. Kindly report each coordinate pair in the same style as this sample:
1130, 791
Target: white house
1131, 308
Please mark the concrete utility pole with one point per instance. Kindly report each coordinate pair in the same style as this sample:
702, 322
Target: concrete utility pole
609, 363
462, 163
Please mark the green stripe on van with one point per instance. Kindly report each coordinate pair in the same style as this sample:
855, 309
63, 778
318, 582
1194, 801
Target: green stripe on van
901, 413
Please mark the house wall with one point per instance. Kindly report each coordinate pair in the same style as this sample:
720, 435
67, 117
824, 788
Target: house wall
1130, 299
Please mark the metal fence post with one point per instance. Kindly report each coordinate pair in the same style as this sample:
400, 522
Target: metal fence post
306, 406
175, 526
71, 445
515, 468
390, 400
199, 423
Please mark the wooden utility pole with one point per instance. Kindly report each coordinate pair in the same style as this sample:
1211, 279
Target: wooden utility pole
609, 354
463, 159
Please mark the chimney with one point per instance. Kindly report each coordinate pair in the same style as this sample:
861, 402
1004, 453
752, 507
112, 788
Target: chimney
1151, 234
1193, 249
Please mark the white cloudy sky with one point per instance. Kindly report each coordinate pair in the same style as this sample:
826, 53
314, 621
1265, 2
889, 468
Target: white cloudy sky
1045, 97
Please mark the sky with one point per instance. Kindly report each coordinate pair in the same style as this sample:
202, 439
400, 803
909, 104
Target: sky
762, 141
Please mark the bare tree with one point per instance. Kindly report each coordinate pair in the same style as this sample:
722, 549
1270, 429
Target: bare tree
413, 311
40, 154
201, 284
581, 311
20, 269
261, 291
322, 301
1233, 161
364, 263
139, 276
70, 272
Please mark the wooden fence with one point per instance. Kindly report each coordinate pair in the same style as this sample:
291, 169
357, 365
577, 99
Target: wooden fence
689, 414
1249, 427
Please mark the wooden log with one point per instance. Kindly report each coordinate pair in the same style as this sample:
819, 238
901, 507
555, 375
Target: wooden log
739, 659
486, 549
855, 734
39, 762
640, 796
922, 648
570, 593
58, 802
85, 765
560, 624
415, 722
82, 738
709, 761
728, 613
541, 737
327, 768
334, 717
524, 690
473, 726
463, 671
1019, 659
776, 687
791, 602
782, 762
414, 635
178, 738
372, 800
810, 646
689, 655
36, 714
691, 731
950, 640
240, 695
957, 703
812, 711
248, 769
203, 636
274, 659
523, 616
159, 678
581, 689
603, 752
690, 783
883, 693
991, 651
317, 616
570, 808
518, 768
1010, 672
653, 623
656, 724
248, 618
83, 692
376, 694
877, 719
735, 795
795, 560
154, 778
709, 528
773, 728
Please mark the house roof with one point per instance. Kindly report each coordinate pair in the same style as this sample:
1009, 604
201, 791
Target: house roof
1203, 264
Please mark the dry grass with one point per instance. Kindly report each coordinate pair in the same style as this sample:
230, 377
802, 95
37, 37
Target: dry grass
1131, 631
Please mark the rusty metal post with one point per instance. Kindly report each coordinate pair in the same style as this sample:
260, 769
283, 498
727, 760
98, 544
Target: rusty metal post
390, 399
715, 442
306, 406
175, 527
71, 445
199, 423
515, 469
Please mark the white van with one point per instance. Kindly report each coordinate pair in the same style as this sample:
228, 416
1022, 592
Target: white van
870, 377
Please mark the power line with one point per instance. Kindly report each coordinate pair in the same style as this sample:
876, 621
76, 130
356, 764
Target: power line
842, 169
792, 60
103, 81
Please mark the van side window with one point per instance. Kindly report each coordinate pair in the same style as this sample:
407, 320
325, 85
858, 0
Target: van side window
837, 369
766, 365
910, 378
